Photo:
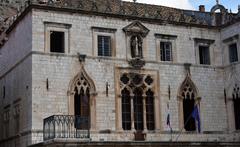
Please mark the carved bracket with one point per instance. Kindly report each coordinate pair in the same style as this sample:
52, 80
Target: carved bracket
137, 63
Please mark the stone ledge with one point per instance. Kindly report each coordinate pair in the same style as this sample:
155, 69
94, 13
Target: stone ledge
66, 143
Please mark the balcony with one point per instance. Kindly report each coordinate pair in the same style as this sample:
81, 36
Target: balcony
66, 126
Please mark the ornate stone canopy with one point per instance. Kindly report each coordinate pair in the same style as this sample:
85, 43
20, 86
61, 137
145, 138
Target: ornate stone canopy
136, 28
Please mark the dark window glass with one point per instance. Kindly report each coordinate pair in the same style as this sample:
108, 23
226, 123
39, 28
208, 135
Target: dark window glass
4, 91
236, 101
57, 42
138, 109
204, 55
104, 46
188, 107
237, 113
166, 51
150, 110
233, 54
81, 107
126, 110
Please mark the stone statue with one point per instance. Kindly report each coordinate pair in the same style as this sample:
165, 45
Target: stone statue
136, 47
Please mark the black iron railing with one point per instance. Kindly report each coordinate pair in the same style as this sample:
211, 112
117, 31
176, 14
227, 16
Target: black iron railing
66, 126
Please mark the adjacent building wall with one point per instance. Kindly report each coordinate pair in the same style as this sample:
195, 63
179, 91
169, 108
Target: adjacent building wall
16, 77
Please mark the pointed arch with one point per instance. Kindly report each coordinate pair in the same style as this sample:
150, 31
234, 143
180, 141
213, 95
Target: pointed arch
82, 74
188, 98
82, 93
188, 83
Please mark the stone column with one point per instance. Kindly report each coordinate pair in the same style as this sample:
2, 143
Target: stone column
119, 114
157, 113
144, 115
132, 115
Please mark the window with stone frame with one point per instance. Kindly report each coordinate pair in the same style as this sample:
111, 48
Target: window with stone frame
236, 103
166, 51
6, 121
126, 109
233, 53
166, 47
3, 92
16, 118
104, 45
204, 55
104, 41
57, 41
137, 94
203, 50
57, 37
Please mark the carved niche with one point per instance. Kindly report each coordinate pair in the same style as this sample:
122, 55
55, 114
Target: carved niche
136, 32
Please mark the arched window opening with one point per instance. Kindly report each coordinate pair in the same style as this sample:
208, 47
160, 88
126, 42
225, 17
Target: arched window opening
236, 101
188, 107
138, 109
137, 101
150, 110
126, 109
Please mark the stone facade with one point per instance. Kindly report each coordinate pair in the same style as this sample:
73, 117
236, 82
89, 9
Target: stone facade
40, 81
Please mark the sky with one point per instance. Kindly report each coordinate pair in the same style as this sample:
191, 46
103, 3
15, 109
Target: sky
193, 4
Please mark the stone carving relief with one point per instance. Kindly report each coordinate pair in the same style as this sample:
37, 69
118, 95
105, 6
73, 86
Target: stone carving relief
136, 47
136, 32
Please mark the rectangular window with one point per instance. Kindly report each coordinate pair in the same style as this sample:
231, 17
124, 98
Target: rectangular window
57, 42
4, 91
233, 54
104, 45
204, 55
6, 118
166, 51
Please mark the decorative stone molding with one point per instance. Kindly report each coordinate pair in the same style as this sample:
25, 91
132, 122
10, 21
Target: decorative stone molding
137, 63
136, 28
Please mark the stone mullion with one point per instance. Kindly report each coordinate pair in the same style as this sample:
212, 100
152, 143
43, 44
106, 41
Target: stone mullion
120, 127
132, 114
144, 114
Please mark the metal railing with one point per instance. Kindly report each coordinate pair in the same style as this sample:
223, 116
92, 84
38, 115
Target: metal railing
66, 126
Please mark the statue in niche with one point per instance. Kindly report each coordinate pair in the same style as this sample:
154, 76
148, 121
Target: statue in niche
136, 47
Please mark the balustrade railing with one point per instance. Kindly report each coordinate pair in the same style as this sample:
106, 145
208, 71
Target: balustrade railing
66, 126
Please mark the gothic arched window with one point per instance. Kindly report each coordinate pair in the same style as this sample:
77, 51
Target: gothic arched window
138, 109
81, 104
150, 109
188, 95
236, 101
126, 109
137, 99
188, 107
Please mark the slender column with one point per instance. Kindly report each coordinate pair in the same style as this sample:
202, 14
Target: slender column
144, 115
156, 114
119, 109
132, 114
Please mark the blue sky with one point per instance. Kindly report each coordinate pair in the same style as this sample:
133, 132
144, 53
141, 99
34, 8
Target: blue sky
193, 4
228, 4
